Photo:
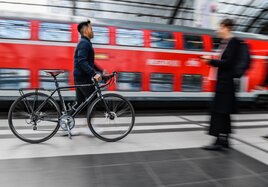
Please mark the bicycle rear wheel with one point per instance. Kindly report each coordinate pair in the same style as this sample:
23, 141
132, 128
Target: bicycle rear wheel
114, 125
30, 125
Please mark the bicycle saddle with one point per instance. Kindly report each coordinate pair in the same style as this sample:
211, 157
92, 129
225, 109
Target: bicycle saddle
54, 73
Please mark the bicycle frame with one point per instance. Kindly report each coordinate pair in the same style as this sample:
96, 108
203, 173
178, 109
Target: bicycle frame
62, 103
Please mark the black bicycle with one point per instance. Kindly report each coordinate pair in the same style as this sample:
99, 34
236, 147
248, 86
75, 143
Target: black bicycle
36, 116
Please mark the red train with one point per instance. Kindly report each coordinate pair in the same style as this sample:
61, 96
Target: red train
153, 60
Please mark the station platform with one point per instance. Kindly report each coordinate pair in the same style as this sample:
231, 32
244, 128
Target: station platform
163, 150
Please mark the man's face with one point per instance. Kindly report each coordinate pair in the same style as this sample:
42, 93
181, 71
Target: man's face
222, 31
89, 32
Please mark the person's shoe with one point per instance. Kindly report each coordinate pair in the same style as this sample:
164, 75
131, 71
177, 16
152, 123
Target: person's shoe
216, 146
224, 141
213, 147
225, 144
74, 132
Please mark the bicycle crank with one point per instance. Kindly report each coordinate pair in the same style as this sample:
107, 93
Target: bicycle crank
67, 123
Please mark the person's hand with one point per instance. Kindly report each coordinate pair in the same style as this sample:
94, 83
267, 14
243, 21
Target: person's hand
259, 88
104, 72
97, 77
206, 58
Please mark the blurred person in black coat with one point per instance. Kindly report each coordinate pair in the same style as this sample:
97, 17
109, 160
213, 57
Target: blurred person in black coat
224, 102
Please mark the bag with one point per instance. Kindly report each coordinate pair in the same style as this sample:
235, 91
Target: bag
243, 60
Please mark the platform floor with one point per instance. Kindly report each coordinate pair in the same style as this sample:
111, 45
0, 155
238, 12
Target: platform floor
163, 150
177, 167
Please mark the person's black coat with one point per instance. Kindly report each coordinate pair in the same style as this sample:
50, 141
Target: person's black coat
265, 82
224, 101
84, 57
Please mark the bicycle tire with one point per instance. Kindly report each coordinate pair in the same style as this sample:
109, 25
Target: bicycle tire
94, 104
13, 129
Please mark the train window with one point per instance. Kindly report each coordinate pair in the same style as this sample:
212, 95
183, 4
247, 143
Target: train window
47, 82
55, 32
162, 40
15, 29
193, 42
129, 37
14, 78
129, 81
216, 43
101, 35
191, 83
161, 82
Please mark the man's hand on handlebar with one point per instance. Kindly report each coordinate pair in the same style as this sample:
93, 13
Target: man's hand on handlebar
105, 78
97, 77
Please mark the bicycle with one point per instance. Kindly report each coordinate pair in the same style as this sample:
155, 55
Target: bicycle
36, 117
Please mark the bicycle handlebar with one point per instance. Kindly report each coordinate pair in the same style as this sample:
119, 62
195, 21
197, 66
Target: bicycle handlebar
105, 77
109, 76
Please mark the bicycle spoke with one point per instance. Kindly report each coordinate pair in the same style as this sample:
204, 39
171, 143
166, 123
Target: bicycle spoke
122, 111
35, 99
118, 106
27, 105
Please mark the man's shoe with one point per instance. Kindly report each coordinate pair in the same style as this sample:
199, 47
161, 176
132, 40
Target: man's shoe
213, 147
226, 144
216, 146
224, 141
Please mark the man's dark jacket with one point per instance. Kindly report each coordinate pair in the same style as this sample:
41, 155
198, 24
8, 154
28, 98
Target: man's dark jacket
84, 57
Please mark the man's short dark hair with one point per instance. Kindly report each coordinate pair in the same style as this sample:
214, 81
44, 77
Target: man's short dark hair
229, 23
82, 25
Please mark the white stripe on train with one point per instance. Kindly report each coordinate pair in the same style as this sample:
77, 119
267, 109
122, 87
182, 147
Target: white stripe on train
47, 43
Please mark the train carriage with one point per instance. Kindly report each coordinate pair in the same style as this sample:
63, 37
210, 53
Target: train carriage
153, 60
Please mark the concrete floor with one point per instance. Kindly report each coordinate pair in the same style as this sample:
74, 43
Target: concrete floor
161, 151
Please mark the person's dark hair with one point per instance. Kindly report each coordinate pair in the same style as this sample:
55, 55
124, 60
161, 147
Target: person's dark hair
229, 23
81, 26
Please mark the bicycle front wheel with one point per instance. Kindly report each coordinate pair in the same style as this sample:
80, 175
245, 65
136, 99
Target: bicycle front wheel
112, 125
34, 117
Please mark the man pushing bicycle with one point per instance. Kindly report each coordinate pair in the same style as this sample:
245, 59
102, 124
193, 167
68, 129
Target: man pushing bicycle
84, 63
35, 116
84, 66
